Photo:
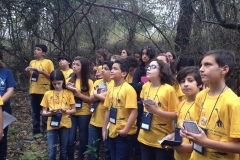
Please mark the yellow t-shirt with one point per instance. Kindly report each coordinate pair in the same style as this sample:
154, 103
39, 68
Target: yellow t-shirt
129, 78
222, 123
1, 101
67, 74
179, 92
186, 111
97, 118
85, 109
53, 100
168, 101
128, 99
42, 84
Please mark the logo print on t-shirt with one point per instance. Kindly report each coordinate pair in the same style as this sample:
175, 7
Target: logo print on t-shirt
2, 85
219, 122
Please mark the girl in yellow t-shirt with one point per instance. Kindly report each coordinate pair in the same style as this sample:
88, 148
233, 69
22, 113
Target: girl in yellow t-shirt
190, 81
58, 103
102, 55
84, 87
159, 111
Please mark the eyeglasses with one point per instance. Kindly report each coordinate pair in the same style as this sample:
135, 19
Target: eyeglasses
150, 67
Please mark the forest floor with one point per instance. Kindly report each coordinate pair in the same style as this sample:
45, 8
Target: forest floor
18, 148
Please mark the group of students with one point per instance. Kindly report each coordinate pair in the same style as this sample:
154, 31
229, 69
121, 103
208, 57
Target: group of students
143, 101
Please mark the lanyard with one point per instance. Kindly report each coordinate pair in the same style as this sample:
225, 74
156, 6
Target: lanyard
187, 110
155, 94
117, 98
39, 64
213, 106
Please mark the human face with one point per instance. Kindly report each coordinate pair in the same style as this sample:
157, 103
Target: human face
137, 56
164, 59
153, 70
189, 86
57, 84
145, 57
100, 58
116, 73
76, 66
210, 71
131, 71
63, 64
124, 54
38, 53
105, 72
170, 55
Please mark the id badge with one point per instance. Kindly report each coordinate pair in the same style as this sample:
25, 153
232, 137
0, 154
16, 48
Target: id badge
177, 134
78, 102
199, 149
56, 119
94, 106
146, 121
34, 77
113, 115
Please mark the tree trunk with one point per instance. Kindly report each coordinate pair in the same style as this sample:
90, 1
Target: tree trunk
184, 26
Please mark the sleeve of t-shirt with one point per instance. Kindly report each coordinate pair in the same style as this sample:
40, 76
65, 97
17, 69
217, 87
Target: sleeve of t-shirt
235, 122
173, 101
10, 80
91, 88
51, 66
106, 103
131, 98
44, 102
71, 98
1, 102
142, 93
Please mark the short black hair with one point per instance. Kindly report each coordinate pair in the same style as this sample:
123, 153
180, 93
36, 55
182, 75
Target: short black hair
194, 71
57, 75
108, 63
123, 65
132, 62
184, 62
66, 57
223, 58
42, 46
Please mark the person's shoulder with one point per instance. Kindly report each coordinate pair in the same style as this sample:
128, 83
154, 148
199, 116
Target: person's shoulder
67, 91
48, 60
127, 86
48, 92
90, 81
146, 85
168, 87
230, 97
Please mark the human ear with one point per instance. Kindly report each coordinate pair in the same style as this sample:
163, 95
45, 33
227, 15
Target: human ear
225, 69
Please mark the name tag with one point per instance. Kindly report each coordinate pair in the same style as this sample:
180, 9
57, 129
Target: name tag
78, 102
56, 119
34, 77
113, 115
198, 148
146, 121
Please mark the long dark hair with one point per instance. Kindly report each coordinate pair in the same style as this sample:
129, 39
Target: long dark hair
151, 55
165, 72
58, 76
84, 74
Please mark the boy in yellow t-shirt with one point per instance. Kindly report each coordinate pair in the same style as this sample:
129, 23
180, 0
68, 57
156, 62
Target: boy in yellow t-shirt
39, 71
133, 64
65, 64
190, 81
1, 119
121, 104
98, 110
218, 109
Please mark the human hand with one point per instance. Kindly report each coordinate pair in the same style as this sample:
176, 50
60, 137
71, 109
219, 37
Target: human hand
151, 108
200, 139
122, 133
